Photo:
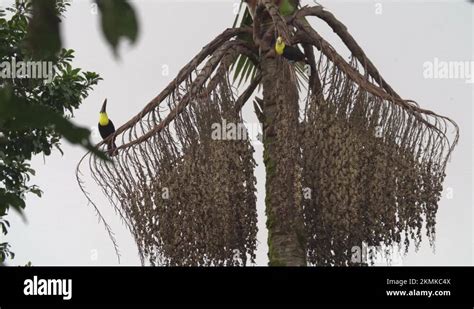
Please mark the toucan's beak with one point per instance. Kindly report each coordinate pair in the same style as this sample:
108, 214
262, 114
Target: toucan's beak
104, 106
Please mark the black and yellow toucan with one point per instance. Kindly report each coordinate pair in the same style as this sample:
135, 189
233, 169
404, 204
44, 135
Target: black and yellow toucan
291, 53
106, 128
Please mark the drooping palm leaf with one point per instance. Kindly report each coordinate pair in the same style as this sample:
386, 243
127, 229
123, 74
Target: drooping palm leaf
242, 64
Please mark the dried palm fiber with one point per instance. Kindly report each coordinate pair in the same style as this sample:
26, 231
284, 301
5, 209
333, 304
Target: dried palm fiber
186, 198
374, 163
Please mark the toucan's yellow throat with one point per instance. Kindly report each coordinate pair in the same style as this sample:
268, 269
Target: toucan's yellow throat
103, 118
280, 46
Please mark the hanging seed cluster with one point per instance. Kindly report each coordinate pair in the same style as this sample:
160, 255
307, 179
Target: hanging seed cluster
186, 193
373, 168
210, 217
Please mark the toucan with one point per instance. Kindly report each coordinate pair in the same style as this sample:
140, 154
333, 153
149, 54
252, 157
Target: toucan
106, 128
291, 53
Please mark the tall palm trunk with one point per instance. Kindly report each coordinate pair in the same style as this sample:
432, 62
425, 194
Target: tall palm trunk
283, 193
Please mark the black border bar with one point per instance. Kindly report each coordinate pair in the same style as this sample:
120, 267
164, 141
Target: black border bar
251, 285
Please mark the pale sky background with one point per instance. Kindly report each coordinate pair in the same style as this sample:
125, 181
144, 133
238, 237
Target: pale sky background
63, 230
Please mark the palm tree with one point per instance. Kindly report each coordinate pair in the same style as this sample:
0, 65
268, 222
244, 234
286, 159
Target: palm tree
358, 166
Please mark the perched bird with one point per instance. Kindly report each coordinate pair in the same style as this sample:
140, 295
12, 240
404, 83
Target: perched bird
106, 128
291, 53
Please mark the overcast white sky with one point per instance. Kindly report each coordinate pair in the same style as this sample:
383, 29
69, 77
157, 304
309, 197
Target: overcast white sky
63, 230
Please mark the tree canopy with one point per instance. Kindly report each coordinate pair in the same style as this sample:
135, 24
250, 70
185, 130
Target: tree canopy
35, 112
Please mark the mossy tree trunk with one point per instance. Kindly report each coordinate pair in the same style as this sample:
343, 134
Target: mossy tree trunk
283, 192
